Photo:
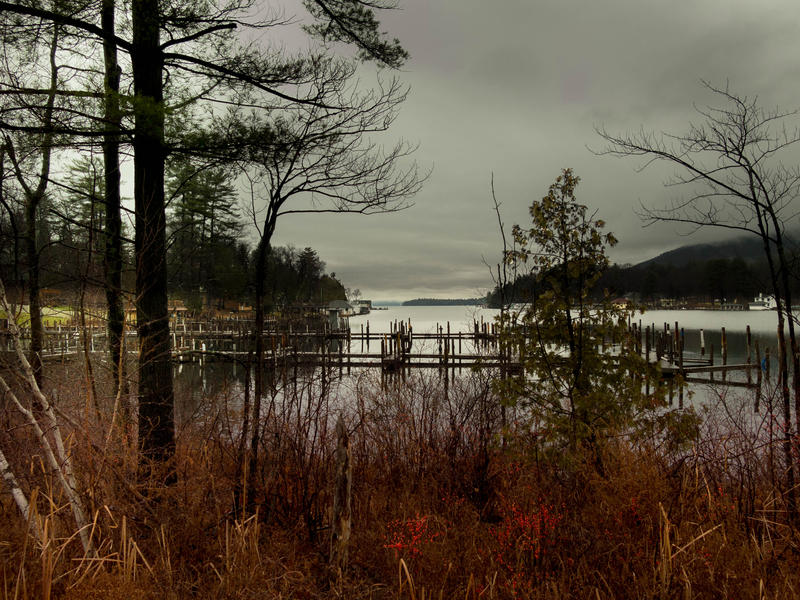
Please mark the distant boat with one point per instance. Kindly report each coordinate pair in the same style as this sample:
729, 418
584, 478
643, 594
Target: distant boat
762, 302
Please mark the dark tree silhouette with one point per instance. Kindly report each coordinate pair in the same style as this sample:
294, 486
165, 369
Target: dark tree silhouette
730, 166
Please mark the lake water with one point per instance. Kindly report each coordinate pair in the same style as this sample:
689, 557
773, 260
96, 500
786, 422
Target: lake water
424, 319
763, 329
223, 379
763, 325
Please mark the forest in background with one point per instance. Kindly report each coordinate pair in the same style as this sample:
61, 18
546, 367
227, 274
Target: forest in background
727, 272
211, 263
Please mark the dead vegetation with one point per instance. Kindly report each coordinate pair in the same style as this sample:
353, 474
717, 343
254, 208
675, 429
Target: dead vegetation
446, 503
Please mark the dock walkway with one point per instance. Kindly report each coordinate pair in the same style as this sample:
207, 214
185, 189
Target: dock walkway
402, 349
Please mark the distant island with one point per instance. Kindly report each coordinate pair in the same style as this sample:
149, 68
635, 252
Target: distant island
445, 302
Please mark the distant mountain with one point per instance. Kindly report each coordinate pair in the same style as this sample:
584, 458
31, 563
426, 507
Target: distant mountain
749, 249
732, 271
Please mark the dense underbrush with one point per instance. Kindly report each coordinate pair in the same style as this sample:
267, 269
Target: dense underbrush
452, 497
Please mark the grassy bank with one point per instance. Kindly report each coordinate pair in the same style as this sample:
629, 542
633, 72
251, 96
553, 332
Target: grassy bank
448, 502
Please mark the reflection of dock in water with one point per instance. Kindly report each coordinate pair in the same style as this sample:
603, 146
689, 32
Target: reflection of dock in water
401, 349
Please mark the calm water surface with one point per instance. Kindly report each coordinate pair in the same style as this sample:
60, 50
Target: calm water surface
762, 324
223, 380
424, 318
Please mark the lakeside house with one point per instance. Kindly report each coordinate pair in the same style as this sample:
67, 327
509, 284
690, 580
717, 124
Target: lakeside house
338, 312
762, 302
620, 302
361, 307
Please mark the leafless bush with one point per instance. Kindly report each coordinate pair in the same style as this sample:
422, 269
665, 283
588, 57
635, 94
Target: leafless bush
737, 459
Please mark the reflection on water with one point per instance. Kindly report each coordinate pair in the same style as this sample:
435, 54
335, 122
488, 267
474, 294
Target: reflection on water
763, 326
195, 385
215, 390
200, 388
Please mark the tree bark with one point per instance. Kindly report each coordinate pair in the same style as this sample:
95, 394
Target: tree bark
34, 299
258, 334
783, 367
113, 224
783, 263
33, 200
156, 410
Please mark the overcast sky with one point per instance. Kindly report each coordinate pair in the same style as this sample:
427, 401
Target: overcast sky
516, 88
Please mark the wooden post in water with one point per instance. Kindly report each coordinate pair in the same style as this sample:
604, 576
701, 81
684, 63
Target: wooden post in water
341, 358
452, 359
724, 352
749, 357
444, 357
711, 363
647, 359
702, 343
667, 342
680, 369
676, 333
324, 371
758, 377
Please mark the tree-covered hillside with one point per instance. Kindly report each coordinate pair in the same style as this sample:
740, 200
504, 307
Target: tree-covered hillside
730, 271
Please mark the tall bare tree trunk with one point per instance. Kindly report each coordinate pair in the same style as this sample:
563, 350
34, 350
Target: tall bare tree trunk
156, 416
34, 197
783, 366
113, 224
262, 253
787, 298
34, 297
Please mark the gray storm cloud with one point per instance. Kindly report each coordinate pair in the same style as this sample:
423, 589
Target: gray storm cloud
517, 88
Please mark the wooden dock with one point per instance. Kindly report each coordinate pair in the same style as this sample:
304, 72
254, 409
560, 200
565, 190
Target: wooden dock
401, 349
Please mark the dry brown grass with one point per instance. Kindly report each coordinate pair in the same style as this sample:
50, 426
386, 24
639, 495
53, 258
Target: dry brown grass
443, 506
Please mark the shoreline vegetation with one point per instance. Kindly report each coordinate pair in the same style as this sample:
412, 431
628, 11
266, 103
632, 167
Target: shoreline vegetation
453, 495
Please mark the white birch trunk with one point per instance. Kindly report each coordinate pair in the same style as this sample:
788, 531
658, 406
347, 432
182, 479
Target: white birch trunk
59, 460
18, 495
